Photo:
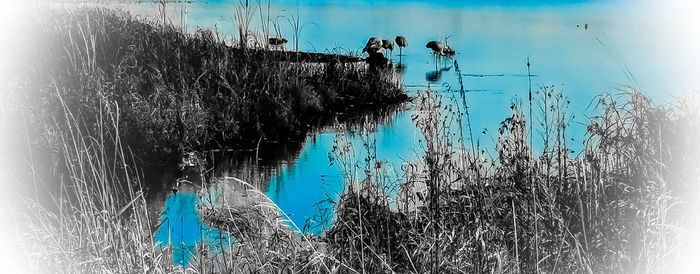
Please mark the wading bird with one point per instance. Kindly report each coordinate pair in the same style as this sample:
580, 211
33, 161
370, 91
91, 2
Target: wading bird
373, 45
437, 48
374, 49
388, 44
277, 42
401, 42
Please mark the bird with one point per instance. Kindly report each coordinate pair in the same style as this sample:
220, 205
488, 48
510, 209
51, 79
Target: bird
280, 42
388, 44
376, 59
374, 44
436, 46
401, 42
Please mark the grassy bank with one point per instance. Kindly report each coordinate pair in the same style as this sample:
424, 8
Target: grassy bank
183, 91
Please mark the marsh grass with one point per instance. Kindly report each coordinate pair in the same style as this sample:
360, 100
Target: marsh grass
187, 91
614, 207
108, 93
104, 84
101, 221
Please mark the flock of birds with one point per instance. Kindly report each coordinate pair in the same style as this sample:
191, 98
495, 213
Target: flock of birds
375, 46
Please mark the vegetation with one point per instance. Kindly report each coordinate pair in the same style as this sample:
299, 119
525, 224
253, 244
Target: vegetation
182, 91
626, 204
104, 88
101, 222
95, 94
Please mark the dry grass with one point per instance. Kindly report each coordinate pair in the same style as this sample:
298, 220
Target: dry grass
96, 93
183, 91
624, 205
100, 222
101, 79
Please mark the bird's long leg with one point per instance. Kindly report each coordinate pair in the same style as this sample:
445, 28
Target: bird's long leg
436, 61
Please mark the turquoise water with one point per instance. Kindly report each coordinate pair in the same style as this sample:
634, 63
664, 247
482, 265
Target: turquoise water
181, 228
646, 45
317, 174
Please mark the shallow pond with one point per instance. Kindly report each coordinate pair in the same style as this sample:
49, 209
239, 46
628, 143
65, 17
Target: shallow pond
581, 48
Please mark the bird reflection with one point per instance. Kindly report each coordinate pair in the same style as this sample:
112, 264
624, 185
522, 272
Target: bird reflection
400, 67
435, 76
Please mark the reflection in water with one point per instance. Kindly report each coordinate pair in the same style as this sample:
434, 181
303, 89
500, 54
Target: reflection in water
255, 166
436, 75
400, 68
299, 176
307, 189
433, 76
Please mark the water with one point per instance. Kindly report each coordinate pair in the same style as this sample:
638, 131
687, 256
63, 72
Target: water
181, 226
649, 46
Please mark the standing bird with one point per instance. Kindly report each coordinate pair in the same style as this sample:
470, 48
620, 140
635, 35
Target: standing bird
401, 42
437, 48
388, 44
373, 45
374, 49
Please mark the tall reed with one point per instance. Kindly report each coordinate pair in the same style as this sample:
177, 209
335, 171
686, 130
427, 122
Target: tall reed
613, 209
102, 220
